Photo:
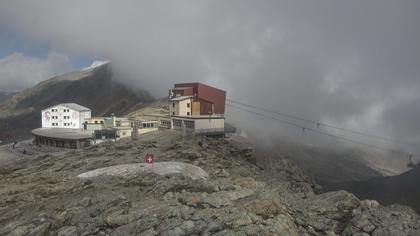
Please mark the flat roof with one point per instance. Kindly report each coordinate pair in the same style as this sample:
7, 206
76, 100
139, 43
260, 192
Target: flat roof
73, 106
180, 98
63, 133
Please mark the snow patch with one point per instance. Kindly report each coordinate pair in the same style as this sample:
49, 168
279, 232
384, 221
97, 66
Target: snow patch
96, 64
160, 168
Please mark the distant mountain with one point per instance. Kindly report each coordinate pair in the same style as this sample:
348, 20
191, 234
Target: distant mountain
328, 166
4, 96
92, 87
402, 189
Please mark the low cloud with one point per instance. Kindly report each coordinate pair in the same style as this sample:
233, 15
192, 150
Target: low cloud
18, 72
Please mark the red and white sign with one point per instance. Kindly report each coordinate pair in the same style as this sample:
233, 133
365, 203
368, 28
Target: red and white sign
150, 158
47, 115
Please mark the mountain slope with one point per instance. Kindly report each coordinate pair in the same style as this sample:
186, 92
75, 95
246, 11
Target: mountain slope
403, 189
4, 96
93, 88
109, 190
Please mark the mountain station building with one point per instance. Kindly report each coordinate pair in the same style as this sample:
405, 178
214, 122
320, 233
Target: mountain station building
62, 126
198, 108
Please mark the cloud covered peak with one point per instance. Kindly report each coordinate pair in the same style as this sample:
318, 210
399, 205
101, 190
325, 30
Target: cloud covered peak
96, 64
18, 71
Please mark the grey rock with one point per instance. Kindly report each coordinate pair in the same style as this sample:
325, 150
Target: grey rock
221, 173
68, 231
21, 230
188, 226
213, 227
40, 230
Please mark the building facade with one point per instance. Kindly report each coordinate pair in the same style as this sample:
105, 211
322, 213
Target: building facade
197, 107
116, 128
67, 115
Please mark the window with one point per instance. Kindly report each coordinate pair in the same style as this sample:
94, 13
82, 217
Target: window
144, 125
189, 124
102, 122
96, 122
173, 105
188, 105
177, 123
173, 113
152, 125
188, 113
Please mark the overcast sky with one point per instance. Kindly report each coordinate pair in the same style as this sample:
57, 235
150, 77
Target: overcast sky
351, 63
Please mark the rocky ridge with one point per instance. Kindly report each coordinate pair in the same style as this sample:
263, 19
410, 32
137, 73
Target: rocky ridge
42, 195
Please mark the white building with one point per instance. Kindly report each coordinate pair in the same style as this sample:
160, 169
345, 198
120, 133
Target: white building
67, 115
181, 106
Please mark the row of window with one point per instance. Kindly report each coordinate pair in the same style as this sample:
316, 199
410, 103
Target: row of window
148, 125
189, 124
56, 110
188, 113
188, 105
56, 124
56, 117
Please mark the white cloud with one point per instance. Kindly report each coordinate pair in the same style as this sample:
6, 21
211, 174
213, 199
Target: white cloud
18, 72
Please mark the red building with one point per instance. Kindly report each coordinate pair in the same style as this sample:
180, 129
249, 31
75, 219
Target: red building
198, 107
206, 100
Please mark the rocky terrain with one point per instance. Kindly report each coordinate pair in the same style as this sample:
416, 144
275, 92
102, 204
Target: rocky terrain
242, 193
93, 88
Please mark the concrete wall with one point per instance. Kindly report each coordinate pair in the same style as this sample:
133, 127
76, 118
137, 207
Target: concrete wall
61, 143
96, 120
147, 130
59, 115
209, 124
93, 127
124, 133
201, 125
181, 108
83, 116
